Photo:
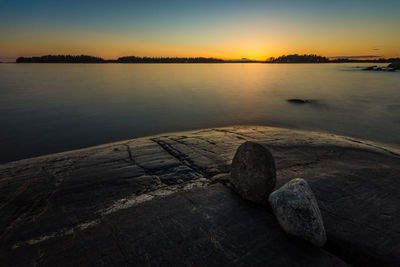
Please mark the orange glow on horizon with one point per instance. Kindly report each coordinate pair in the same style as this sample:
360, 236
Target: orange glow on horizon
231, 47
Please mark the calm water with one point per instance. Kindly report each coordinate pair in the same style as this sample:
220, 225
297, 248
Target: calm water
47, 108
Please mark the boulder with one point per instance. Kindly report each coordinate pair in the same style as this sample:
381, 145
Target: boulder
253, 174
297, 211
394, 65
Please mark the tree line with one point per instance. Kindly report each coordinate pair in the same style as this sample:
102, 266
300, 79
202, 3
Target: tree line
299, 59
320, 59
131, 59
134, 59
295, 58
61, 59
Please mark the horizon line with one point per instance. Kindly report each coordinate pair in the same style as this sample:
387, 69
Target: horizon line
208, 57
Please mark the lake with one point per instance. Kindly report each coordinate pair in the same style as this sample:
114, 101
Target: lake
46, 108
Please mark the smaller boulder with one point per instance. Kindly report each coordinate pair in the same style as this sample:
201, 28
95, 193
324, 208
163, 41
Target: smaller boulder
297, 211
253, 174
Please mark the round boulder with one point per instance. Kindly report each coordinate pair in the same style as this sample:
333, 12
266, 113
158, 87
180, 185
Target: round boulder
253, 174
297, 211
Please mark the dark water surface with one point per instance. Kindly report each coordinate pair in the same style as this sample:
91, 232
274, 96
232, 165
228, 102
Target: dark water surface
46, 108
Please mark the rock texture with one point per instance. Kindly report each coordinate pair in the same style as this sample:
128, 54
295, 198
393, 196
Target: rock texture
296, 210
253, 173
223, 178
200, 227
146, 200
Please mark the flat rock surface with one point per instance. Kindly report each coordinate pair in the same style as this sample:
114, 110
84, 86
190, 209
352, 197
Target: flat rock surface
103, 204
201, 227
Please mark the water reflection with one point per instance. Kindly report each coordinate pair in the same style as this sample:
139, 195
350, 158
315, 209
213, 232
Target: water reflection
56, 107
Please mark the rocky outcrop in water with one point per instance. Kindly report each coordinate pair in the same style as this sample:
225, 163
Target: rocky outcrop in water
253, 173
300, 101
394, 65
297, 211
391, 67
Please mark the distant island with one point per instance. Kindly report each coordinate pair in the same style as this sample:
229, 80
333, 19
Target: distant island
295, 58
311, 58
134, 59
130, 59
61, 59
299, 59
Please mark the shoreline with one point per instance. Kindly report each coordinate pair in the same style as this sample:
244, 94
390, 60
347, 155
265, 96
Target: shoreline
343, 140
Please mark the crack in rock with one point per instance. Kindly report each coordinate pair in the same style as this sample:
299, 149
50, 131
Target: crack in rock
184, 159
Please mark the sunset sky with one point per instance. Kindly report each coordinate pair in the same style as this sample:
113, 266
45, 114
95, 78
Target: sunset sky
231, 29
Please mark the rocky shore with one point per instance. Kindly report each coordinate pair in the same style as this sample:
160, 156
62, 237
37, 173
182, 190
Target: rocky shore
391, 67
166, 200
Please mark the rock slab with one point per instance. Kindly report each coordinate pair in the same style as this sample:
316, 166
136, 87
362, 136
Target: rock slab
297, 211
253, 173
201, 227
55, 210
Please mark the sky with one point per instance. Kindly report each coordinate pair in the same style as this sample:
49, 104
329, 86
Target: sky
231, 29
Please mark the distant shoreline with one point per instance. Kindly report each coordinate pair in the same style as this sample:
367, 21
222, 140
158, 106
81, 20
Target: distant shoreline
166, 63
184, 60
226, 62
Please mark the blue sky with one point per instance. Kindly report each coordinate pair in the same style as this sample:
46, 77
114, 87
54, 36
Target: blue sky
227, 29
